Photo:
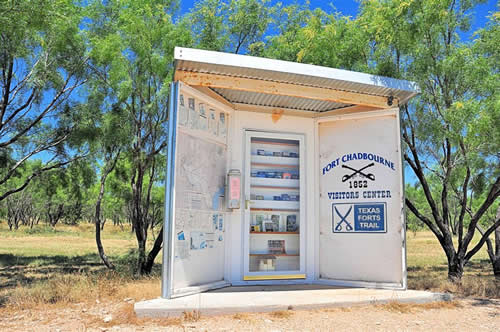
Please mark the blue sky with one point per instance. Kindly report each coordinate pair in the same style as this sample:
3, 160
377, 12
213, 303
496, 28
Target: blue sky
347, 7
350, 8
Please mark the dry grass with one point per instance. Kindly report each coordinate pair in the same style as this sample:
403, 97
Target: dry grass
283, 314
125, 315
400, 307
47, 267
191, 316
471, 286
243, 316
427, 269
146, 288
81, 288
63, 289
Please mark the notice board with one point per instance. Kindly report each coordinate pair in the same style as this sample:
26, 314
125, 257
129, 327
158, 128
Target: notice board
197, 234
361, 201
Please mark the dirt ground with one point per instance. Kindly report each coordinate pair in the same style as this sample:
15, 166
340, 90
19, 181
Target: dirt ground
459, 315
50, 281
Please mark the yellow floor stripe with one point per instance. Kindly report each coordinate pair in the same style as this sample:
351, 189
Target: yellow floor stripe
275, 277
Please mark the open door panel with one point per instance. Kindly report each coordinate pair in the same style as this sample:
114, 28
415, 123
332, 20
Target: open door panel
361, 240
195, 205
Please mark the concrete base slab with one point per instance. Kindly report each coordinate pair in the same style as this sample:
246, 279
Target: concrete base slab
274, 298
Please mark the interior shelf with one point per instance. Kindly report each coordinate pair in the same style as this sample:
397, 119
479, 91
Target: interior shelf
270, 182
277, 255
271, 160
255, 141
274, 205
280, 166
253, 210
278, 205
269, 233
275, 188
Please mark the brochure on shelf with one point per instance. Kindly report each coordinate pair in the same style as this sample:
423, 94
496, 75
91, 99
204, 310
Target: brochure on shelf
274, 191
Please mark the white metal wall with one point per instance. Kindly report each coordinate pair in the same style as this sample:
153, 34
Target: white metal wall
198, 231
355, 243
263, 122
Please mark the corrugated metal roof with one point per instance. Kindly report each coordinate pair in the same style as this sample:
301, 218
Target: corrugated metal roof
264, 99
243, 66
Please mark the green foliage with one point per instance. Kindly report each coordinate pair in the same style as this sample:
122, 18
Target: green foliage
43, 230
43, 63
322, 39
109, 66
208, 24
131, 53
414, 193
450, 130
233, 26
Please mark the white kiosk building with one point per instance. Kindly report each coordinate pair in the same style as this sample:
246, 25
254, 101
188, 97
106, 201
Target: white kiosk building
282, 173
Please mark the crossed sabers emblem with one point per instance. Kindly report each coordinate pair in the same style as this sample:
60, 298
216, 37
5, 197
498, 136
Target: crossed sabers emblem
369, 176
348, 226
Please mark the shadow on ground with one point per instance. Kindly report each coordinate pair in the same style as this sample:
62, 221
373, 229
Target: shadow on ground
478, 266
16, 270
29, 269
434, 268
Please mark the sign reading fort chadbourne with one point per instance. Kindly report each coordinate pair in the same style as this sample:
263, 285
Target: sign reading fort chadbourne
359, 201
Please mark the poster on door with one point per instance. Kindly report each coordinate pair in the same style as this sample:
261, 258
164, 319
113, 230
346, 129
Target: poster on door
361, 191
359, 205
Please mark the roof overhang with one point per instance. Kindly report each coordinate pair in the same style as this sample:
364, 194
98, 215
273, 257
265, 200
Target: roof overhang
261, 84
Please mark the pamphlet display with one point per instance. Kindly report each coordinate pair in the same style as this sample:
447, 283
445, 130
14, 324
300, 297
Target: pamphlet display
198, 254
275, 209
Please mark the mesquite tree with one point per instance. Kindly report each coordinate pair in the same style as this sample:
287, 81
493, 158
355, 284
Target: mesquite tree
42, 64
132, 56
451, 131
486, 58
236, 26
112, 133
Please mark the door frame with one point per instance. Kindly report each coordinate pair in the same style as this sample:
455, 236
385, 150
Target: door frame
274, 276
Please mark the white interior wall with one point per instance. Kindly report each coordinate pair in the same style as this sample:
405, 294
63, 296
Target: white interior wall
347, 258
242, 121
382, 258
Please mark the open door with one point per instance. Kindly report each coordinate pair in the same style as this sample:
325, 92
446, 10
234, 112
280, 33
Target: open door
274, 238
361, 240
195, 207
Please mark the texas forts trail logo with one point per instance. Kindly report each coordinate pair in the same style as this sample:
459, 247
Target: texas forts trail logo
355, 180
359, 217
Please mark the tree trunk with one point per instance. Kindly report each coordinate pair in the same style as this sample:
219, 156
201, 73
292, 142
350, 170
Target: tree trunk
496, 260
98, 241
455, 264
141, 258
139, 224
493, 252
148, 265
455, 270
107, 169
496, 267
